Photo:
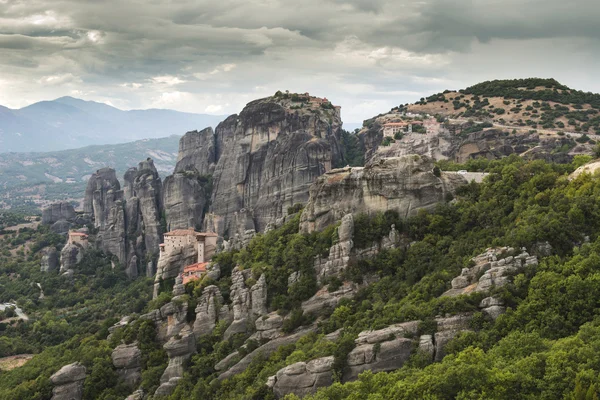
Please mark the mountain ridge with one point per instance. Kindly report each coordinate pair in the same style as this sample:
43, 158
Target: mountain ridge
68, 122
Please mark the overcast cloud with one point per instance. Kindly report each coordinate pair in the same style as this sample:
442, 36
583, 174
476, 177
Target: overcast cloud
215, 56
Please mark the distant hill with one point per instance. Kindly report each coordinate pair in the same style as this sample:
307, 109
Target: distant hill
68, 123
58, 175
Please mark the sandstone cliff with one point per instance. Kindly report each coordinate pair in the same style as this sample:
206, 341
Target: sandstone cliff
404, 184
129, 220
268, 156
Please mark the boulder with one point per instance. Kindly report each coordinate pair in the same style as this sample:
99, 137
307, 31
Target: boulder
303, 378
179, 349
68, 382
127, 361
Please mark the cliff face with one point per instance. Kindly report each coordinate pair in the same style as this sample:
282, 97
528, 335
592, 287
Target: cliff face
187, 190
404, 184
105, 203
268, 156
128, 221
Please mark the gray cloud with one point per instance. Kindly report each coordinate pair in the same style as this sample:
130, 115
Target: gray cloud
214, 56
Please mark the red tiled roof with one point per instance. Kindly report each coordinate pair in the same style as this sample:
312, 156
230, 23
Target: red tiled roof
78, 234
198, 267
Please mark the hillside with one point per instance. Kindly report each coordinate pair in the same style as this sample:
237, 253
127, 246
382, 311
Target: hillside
67, 123
62, 175
533, 103
457, 260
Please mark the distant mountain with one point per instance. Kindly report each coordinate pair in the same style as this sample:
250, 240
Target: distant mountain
61, 175
68, 123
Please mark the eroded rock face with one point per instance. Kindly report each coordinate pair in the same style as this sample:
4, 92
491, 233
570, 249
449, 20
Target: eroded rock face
404, 184
197, 152
207, 311
50, 259
303, 378
147, 188
171, 264
179, 349
184, 199
448, 328
493, 268
68, 382
268, 156
62, 211
127, 360
70, 256
247, 303
339, 253
381, 350
325, 299
104, 202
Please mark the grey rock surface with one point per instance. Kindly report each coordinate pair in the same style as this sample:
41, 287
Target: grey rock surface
268, 156
68, 382
61, 211
404, 184
127, 360
303, 378
50, 259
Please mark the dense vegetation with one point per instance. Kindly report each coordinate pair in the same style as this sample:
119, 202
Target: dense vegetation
545, 346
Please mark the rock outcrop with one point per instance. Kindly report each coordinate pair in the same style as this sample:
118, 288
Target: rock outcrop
339, 253
127, 360
404, 184
493, 268
172, 262
105, 203
303, 378
185, 199
197, 152
62, 211
248, 303
179, 349
381, 350
68, 382
268, 156
187, 191
207, 311
147, 187
50, 259
70, 256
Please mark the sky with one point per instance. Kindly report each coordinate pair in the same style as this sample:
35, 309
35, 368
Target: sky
215, 56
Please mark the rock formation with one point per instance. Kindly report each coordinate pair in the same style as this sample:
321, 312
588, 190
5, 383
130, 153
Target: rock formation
62, 211
268, 156
197, 152
104, 202
186, 192
171, 264
303, 378
68, 382
381, 350
404, 184
179, 349
50, 260
247, 303
127, 360
70, 256
147, 187
207, 311
493, 268
339, 253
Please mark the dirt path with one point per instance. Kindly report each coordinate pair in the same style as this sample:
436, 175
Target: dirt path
12, 362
